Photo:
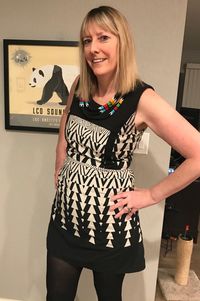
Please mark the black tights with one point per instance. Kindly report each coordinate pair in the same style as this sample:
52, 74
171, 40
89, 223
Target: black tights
62, 282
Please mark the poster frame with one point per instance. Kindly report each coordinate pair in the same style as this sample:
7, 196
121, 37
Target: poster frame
49, 46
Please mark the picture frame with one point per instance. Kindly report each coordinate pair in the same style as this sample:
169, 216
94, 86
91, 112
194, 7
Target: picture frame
37, 79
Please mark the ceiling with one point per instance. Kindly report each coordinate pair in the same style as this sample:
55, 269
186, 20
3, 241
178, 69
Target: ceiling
192, 27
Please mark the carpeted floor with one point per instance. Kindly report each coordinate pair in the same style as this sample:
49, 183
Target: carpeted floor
175, 292
167, 261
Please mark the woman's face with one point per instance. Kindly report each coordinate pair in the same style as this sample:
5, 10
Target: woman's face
101, 51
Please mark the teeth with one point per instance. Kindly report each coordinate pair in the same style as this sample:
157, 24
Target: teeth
97, 60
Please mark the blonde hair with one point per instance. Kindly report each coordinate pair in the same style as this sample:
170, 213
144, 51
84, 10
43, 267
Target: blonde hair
113, 21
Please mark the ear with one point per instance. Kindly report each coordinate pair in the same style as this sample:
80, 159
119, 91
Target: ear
41, 73
33, 69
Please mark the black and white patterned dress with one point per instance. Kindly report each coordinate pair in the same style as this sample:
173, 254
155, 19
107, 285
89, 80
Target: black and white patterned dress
82, 230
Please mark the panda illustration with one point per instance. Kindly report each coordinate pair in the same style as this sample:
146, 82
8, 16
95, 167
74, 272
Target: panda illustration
53, 78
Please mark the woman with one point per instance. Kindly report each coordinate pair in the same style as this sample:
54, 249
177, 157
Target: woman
94, 221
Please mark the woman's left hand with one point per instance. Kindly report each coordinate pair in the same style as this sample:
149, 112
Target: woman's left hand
129, 202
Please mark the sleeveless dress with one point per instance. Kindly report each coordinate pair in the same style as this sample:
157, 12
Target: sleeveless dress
82, 229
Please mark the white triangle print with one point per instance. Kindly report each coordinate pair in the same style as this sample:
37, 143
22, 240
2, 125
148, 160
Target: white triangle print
110, 228
64, 227
74, 213
91, 226
74, 220
110, 220
74, 189
101, 190
102, 198
75, 227
91, 210
120, 223
92, 201
101, 208
74, 205
92, 191
91, 218
94, 184
83, 197
82, 205
62, 206
83, 190
110, 203
109, 236
101, 216
62, 213
128, 235
127, 243
68, 192
76, 233
91, 233
109, 244
63, 220
140, 239
128, 226
113, 183
92, 240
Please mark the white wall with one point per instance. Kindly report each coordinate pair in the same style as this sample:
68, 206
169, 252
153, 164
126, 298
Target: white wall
27, 159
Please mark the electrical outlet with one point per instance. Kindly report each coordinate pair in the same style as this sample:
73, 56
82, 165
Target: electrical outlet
143, 146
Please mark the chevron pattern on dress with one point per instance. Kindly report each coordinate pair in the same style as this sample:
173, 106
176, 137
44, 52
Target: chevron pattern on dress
87, 141
82, 204
126, 141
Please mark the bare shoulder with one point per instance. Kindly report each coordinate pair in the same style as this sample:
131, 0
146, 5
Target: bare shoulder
153, 111
156, 113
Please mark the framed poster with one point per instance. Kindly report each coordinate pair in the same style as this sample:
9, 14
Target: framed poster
37, 79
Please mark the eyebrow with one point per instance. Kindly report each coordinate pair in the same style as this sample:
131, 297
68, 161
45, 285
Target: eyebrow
98, 34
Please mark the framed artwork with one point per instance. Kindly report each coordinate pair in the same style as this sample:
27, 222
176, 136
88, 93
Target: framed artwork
37, 78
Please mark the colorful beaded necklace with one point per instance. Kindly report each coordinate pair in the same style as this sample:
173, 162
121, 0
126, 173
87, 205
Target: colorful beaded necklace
110, 107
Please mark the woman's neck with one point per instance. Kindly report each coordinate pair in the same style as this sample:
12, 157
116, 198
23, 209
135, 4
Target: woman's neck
105, 91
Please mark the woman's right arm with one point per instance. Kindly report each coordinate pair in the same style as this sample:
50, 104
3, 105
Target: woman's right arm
62, 143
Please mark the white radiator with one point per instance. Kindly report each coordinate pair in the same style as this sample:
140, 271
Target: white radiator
191, 91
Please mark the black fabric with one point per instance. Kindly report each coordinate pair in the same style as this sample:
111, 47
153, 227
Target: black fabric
108, 286
118, 260
62, 279
62, 282
83, 231
116, 121
112, 123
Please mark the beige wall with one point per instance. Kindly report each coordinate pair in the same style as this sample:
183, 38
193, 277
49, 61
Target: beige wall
27, 159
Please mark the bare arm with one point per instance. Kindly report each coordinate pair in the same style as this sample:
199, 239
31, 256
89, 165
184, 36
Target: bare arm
168, 124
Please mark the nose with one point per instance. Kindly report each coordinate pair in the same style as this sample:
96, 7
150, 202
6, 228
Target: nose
94, 47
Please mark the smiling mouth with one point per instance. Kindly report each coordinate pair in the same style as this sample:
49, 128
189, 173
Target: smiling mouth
95, 61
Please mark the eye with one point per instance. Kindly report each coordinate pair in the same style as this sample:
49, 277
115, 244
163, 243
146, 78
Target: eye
104, 38
86, 41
